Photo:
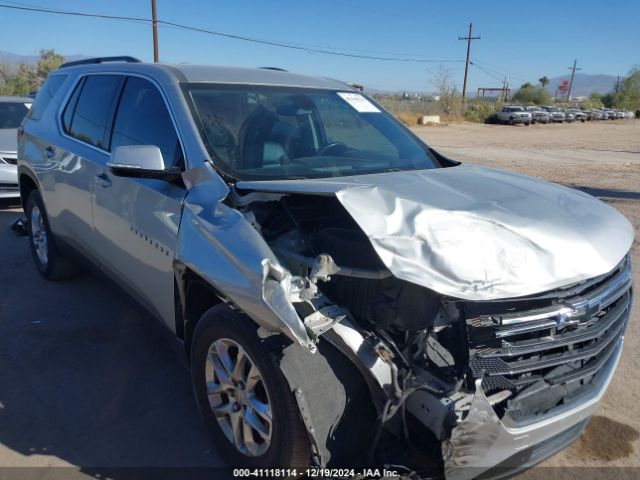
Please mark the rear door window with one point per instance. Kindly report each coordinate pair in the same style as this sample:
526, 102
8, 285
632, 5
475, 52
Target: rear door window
90, 120
143, 119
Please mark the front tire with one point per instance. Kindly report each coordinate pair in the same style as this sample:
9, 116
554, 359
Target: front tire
51, 264
244, 399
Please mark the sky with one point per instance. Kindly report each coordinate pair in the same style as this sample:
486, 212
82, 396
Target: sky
520, 40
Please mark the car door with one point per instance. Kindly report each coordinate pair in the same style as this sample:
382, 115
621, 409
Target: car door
136, 220
72, 161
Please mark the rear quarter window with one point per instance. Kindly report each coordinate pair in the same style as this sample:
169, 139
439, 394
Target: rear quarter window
45, 95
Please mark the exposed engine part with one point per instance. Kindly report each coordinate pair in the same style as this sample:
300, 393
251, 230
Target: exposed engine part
323, 268
240, 200
251, 218
439, 413
322, 320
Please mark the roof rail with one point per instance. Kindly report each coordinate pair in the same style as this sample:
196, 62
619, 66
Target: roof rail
91, 61
277, 69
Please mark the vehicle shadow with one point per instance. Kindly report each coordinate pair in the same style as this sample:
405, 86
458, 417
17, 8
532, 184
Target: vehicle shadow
88, 380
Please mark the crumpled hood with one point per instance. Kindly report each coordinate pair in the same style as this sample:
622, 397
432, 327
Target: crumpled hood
478, 233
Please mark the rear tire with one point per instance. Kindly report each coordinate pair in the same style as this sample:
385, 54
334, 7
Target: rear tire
279, 443
51, 264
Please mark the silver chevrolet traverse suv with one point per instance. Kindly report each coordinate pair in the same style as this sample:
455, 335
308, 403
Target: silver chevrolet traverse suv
346, 295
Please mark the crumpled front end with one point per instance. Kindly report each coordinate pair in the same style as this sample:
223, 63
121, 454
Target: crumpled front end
484, 310
538, 375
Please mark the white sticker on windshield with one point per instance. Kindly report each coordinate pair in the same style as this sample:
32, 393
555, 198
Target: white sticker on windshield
358, 102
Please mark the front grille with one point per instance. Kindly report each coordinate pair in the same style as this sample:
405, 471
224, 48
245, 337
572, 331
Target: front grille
9, 187
546, 352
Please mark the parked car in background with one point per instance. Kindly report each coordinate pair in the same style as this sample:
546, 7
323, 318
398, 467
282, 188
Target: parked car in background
595, 114
568, 116
578, 114
12, 111
538, 115
610, 114
344, 293
513, 114
557, 115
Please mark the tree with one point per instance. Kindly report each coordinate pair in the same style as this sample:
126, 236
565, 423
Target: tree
528, 94
544, 81
595, 100
450, 101
627, 96
49, 60
27, 78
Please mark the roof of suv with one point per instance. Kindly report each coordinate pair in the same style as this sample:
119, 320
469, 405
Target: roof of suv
218, 74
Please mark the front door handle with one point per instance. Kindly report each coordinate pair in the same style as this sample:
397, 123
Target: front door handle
103, 180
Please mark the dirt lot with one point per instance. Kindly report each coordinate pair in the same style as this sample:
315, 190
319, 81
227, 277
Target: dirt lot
86, 380
603, 159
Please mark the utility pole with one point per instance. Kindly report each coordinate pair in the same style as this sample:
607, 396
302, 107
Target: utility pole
154, 16
573, 72
468, 38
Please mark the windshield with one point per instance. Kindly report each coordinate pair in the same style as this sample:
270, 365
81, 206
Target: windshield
12, 113
268, 133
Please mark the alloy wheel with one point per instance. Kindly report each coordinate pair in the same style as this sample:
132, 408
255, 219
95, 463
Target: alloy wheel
238, 397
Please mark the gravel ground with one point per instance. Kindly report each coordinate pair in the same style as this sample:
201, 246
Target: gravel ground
603, 159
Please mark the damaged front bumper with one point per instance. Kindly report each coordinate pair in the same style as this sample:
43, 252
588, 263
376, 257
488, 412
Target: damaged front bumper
483, 446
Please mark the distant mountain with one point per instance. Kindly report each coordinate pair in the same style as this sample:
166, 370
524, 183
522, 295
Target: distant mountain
15, 59
584, 84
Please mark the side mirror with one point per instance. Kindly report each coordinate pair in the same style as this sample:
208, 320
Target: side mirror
141, 161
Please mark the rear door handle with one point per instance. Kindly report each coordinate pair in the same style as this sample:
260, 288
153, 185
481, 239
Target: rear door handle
49, 152
103, 180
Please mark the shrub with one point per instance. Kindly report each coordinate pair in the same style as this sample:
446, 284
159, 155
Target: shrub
479, 112
408, 119
529, 94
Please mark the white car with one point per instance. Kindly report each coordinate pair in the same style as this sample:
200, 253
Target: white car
514, 114
12, 111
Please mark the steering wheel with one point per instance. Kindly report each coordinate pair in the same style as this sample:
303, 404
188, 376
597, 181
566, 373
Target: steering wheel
332, 146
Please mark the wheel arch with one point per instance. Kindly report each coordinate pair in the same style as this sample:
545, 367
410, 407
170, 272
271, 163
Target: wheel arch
27, 182
334, 396
194, 295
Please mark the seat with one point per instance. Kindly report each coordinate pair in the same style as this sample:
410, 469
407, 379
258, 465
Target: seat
255, 132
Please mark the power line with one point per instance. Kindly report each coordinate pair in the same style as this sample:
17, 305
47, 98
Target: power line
273, 43
488, 72
500, 71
